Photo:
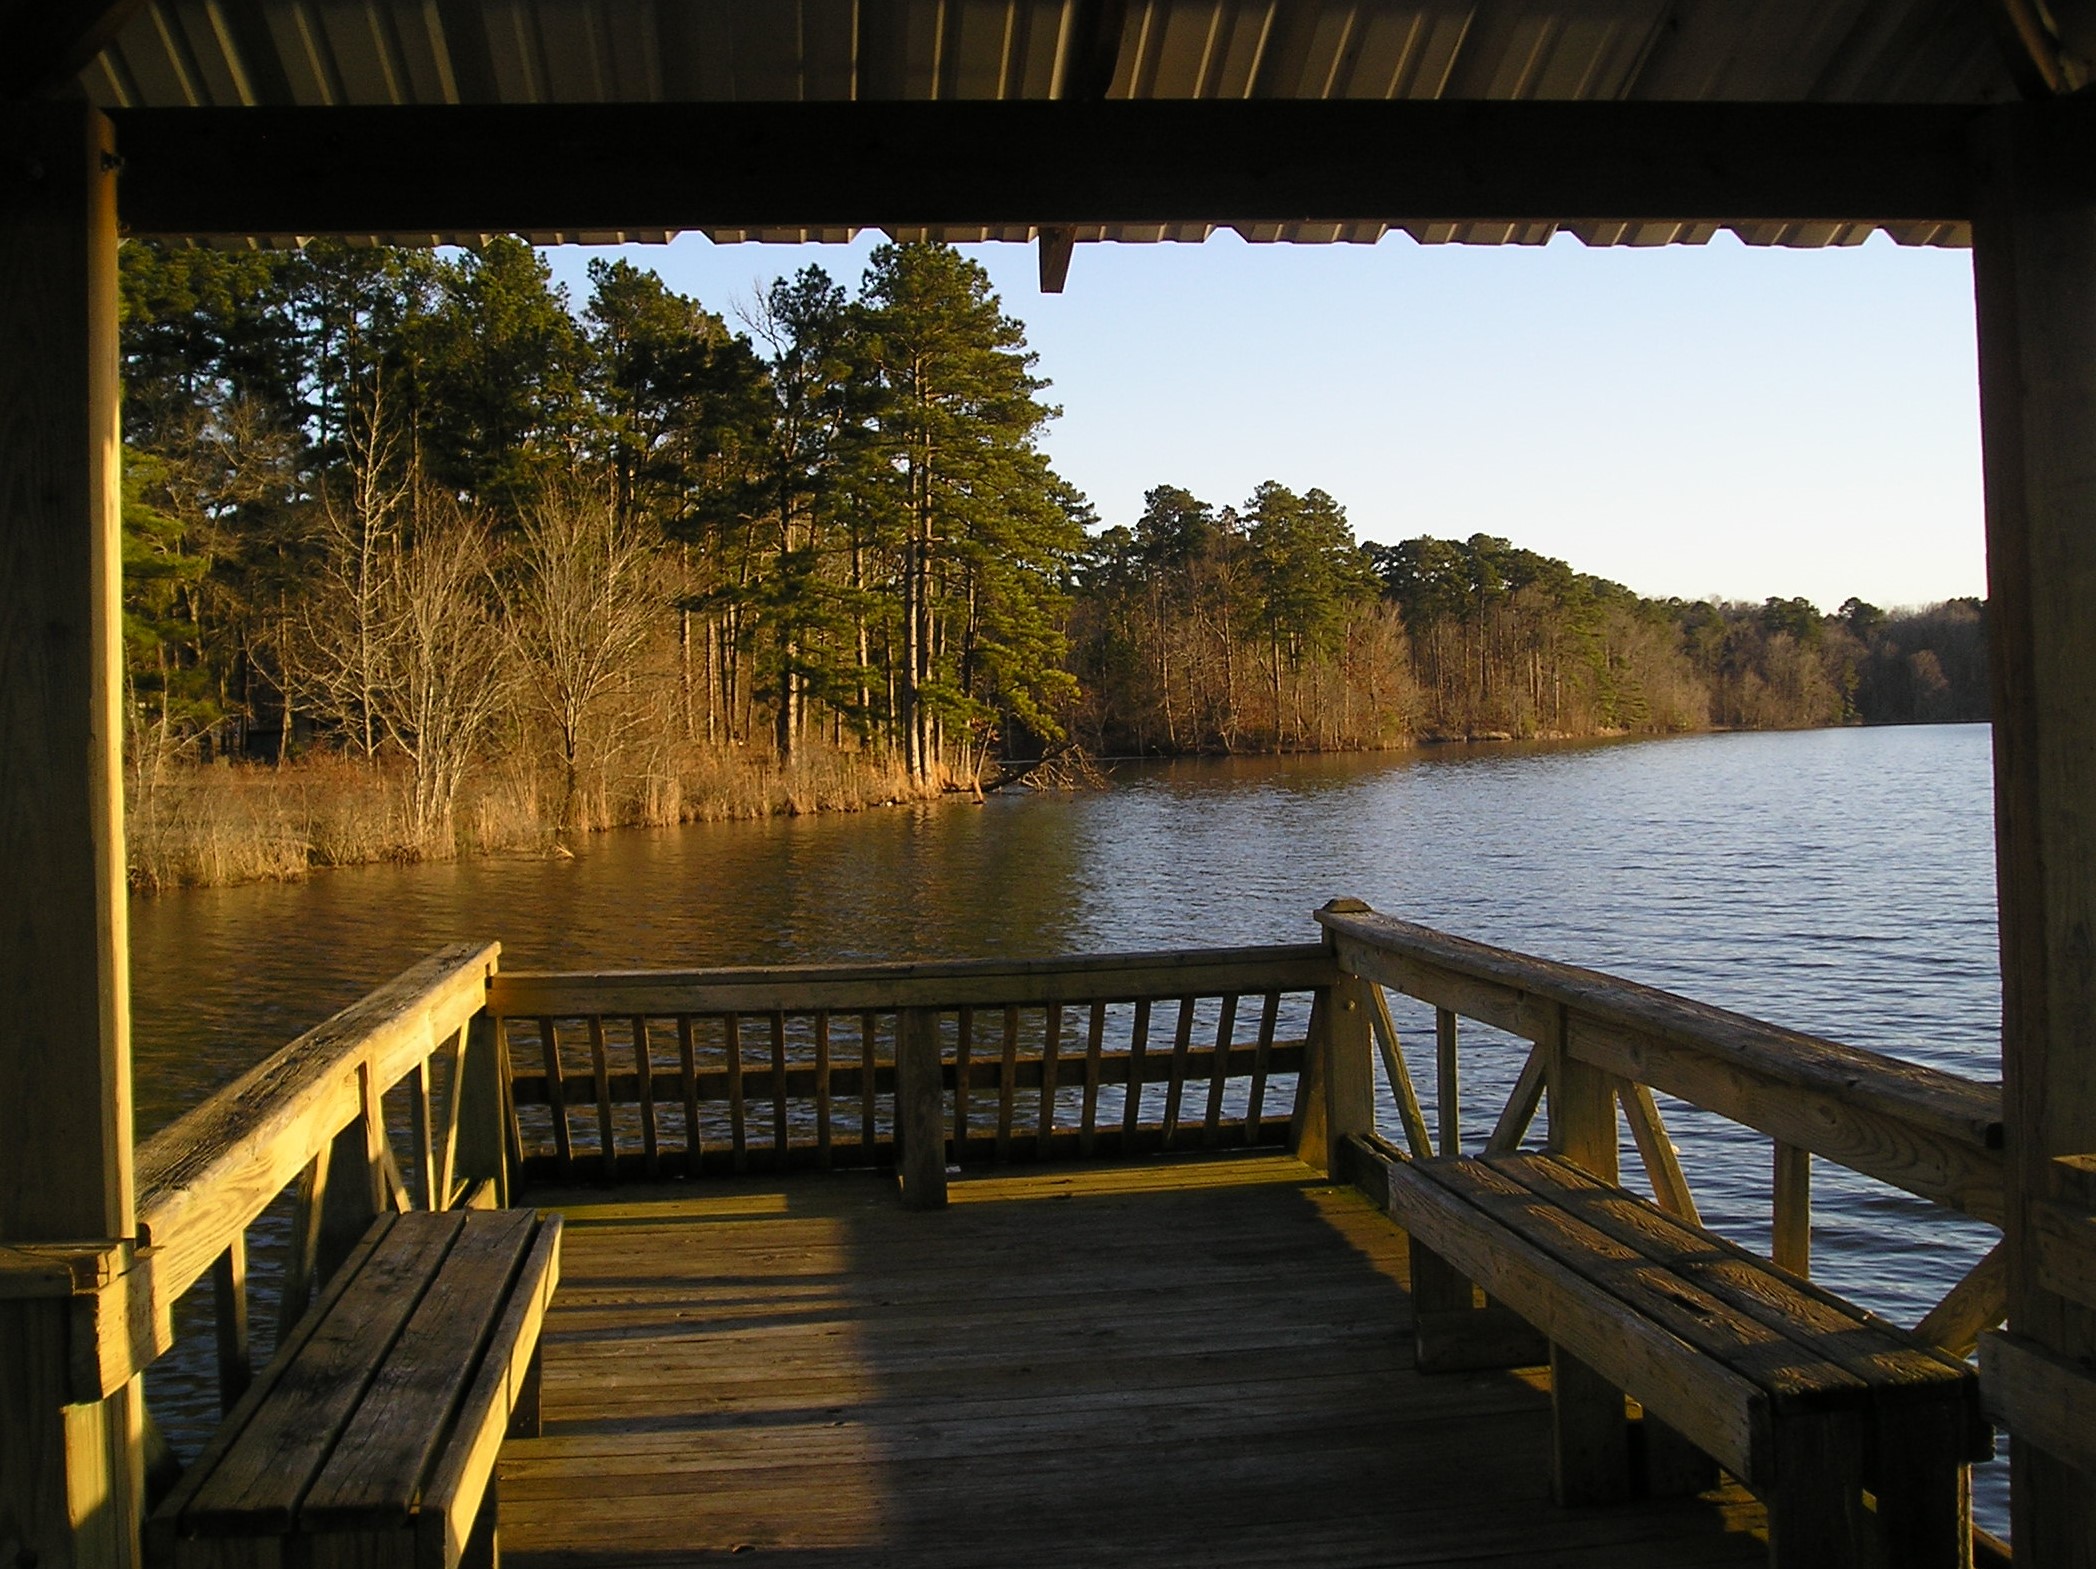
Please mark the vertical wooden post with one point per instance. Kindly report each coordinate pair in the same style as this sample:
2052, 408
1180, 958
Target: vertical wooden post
1336, 1094
1591, 1424
70, 1476
2034, 271
1790, 1220
920, 1111
483, 1103
230, 1313
1448, 1092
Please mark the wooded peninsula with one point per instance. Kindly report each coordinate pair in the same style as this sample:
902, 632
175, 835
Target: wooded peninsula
422, 558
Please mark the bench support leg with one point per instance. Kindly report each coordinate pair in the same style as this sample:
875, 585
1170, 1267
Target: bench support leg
1924, 1514
1672, 1466
1452, 1334
1590, 1431
1816, 1513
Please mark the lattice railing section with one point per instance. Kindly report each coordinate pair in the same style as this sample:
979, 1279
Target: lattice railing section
669, 1075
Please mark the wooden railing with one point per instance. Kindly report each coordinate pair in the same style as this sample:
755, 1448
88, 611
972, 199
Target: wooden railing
311, 1121
682, 1074
1596, 1043
499, 1077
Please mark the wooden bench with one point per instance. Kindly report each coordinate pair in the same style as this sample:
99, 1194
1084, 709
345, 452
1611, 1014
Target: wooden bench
1854, 1433
371, 1437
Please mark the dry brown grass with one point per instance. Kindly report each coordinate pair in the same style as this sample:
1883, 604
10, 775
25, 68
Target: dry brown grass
208, 826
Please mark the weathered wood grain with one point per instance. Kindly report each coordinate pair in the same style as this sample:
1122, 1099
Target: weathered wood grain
1790, 1205
1955, 1108
556, 1094
229, 1317
883, 988
1448, 1099
212, 1171
644, 1082
1262, 1060
1522, 1104
920, 1117
259, 1481
1662, 1161
1182, 1049
1197, 1361
1219, 1075
2034, 256
2041, 1397
1138, 1065
375, 1471
1979, 1301
164, 1527
1397, 1072
1051, 1064
1094, 1054
1930, 1132
451, 1501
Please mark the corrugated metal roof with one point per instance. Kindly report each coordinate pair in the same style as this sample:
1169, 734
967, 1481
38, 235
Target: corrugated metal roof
224, 53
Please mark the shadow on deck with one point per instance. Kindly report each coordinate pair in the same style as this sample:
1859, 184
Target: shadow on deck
1174, 1361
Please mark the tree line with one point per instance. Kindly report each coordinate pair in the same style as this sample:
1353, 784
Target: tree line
425, 513
1269, 627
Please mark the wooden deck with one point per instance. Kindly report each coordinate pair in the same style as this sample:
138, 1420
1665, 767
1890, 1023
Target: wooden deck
1190, 1361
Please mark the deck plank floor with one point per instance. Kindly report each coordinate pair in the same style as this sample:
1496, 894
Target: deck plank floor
1190, 1362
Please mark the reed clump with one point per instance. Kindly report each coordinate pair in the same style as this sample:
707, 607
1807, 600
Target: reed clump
195, 826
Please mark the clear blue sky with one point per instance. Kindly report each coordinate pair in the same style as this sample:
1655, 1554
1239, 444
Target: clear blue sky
1694, 421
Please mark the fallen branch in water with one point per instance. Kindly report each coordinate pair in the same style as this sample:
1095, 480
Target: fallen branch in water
1066, 767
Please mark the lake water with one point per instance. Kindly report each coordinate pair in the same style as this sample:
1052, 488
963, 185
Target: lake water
1839, 882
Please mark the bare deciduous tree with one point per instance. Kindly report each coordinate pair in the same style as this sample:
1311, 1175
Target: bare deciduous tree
582, 604
358, 531
437, 683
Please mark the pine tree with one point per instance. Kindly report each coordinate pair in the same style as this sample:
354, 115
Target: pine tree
985, 529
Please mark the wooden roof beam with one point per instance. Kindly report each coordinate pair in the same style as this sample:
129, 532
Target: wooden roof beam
1090, 61
469, 169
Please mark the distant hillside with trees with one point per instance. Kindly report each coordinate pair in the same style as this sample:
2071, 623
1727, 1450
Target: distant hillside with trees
431, 556
1268, 627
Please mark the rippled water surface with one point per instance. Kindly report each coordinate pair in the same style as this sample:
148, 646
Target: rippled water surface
1838, 881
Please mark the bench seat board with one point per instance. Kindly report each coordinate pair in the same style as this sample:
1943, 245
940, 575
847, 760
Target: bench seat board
163, 1529
451, 1501
1793, 1377
1905, 1375
256, 1488
1721, 1412
371, 1438
374, 1476
1719, 1343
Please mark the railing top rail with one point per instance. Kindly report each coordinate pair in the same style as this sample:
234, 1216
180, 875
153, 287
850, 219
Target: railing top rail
208, 1173
1965, 1110
933, 983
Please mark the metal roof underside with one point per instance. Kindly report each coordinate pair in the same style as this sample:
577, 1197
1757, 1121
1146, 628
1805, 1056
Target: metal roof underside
320, 53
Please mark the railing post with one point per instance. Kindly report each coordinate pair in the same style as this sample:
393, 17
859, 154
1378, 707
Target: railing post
483, 1111
1336, 1095
71, 1475
2034, 275
1590, 1424
920, 1112
1790, 1229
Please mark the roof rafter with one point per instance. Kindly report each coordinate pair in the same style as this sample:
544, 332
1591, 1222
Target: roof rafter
602, 167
